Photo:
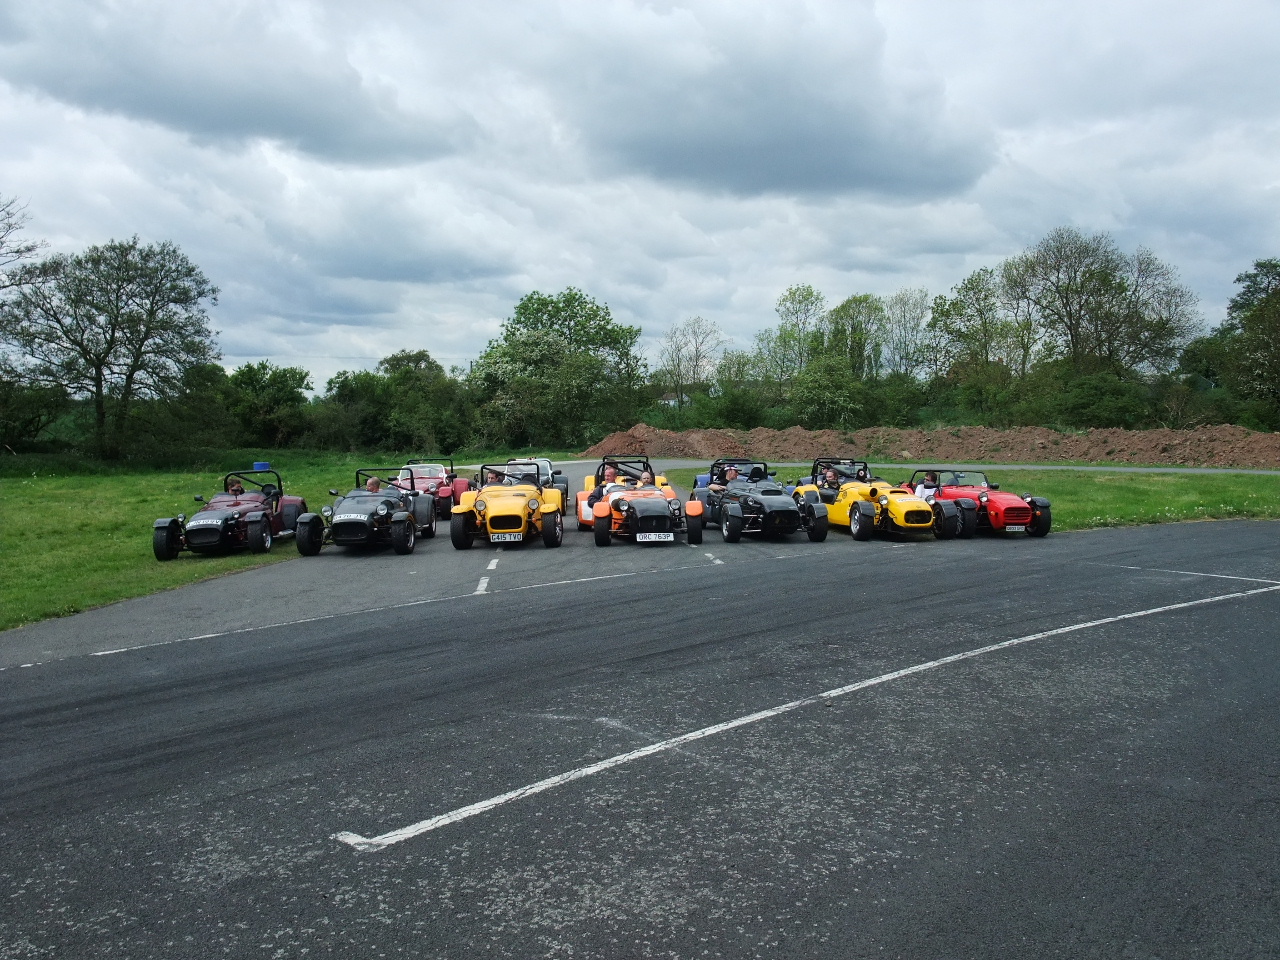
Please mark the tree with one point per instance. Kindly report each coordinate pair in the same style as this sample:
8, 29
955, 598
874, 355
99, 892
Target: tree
1096, 306
561, 371
800, 310
688, 355
13, 218
906, 315
1256, 311
117, 323
853, 333
269, 402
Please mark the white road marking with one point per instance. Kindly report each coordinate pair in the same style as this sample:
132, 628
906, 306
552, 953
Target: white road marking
493, 564
712, 558
372, 844
1188, 573
483, 587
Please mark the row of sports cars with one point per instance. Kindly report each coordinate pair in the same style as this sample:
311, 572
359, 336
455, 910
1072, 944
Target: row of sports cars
528, 499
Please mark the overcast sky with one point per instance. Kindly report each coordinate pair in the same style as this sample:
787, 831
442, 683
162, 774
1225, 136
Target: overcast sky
360, 178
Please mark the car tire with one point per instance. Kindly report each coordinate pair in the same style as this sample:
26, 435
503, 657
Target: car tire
309, 537
730, 526
164, 543
693, 529
461, 537
553, 529
428, 530
968, 522
603, 528
1039, 526
404, 535
945, 527
818, 528
861, 527
260, 536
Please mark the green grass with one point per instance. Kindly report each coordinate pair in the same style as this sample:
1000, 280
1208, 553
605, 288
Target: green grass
1084, 500
74, 540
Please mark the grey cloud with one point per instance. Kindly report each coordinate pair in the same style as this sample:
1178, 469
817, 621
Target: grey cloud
219, 73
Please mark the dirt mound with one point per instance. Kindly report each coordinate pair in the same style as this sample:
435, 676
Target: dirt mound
1202, 447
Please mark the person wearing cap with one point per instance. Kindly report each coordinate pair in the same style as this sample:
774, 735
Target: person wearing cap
730, 476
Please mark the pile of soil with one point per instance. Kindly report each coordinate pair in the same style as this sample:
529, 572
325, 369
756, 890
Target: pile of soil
1202, 447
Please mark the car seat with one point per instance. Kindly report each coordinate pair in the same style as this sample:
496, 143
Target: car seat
757, 474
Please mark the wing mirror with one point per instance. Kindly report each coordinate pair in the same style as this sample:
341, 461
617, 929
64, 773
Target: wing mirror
414, 493
200, 498
994, 486
451, 477
557, 473
333, 493
773, 473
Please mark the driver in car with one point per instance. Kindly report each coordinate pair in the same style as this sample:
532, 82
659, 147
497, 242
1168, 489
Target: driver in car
730, 477
610, 477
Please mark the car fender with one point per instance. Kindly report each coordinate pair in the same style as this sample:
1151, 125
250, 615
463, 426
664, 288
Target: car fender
816, 510
966, 503
601, 508
812, 496
1039, 502
255, 516
167, 522
733, 509
401, 515
694, 508
866, 508
467, 502
546, 508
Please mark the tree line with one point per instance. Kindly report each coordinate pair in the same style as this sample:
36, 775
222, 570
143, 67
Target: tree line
110, 352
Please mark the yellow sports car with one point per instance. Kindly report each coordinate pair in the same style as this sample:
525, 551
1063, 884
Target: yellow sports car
866, 504
508, 504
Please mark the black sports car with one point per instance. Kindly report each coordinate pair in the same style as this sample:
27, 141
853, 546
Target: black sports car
250, 513
742, 496
373, 513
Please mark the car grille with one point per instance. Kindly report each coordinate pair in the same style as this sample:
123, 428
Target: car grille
1017, 514
782, 520
506, 521
204, 537
918, 517
654, 524
350, 532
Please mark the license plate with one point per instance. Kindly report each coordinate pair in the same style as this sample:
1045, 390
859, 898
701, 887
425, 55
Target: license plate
650, 537
203, 523
1016, 527
350, 516
505, 537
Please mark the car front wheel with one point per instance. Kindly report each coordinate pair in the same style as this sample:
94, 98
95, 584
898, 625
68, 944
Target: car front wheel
461, 536
730, 526
860, 525
603, 530
1041, 521
310, 537
552, 529
164, 543
260, 536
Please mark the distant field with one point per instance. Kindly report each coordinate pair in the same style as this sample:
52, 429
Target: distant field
73, 541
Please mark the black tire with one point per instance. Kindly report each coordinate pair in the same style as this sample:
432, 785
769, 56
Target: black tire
859, 526
428, 530
310, 538
260, 536
461, 536
603, 528
164, 542
730, 526
945, 527
289, 514
404, 535
968, 522
818, 528
693, 529
553, 529
1039, 525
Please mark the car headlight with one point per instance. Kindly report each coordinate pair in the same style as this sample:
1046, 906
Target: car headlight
982, 497
326, 511
930, 500
432, 487
382, 510
533, 503
884, 500
480, 504
182, 518
235, 515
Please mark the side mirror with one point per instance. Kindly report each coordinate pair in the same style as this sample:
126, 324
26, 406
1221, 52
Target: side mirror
414, 493
333, 493
994, 486
451, 477
200, 498
557, 473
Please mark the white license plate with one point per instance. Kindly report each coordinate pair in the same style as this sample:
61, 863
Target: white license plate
203, 523
505, 537
350, 516
650, 537
1015, 527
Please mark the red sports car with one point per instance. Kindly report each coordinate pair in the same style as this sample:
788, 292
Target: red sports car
992, 509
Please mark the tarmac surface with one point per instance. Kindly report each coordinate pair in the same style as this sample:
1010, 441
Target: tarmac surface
998, 747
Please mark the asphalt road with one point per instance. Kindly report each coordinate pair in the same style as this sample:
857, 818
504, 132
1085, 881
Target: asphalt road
436, 755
